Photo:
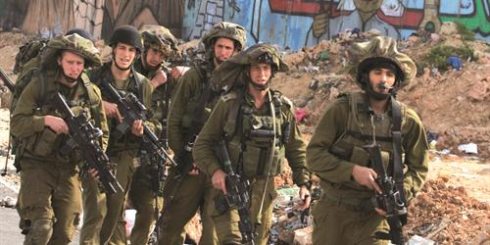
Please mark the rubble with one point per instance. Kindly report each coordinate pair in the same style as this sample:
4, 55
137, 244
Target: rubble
446, 214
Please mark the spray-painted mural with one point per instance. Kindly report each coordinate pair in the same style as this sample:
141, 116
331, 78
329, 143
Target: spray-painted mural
299, 23
291, 23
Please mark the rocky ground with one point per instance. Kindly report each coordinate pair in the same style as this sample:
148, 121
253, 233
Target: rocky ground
454, 205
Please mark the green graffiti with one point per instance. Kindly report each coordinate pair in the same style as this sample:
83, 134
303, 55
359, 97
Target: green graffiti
477, 22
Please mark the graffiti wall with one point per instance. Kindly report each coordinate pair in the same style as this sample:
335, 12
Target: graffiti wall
289, 23
299, 23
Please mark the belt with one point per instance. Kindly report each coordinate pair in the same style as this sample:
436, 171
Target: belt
357, 205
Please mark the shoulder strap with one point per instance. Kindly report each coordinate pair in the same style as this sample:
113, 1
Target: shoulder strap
41, 99
397, 147
92, 97
137, 82
233, 116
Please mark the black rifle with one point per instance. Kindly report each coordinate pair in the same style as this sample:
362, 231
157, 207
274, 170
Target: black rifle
85, 136
6, 81
238, 196
389, 200
132, 109
10, 85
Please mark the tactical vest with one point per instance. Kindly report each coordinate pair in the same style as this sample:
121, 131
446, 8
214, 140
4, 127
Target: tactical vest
135, 86
199, 106
250, 135
81, 99
359, 133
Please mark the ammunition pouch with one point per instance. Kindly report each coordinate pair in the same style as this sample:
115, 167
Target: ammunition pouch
356, 154
43, 144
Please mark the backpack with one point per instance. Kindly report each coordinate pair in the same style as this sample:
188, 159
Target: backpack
28, 51
27, 63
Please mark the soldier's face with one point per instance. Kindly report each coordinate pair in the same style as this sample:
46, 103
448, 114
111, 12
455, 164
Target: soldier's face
260, 74
72, 64
124, 55
154, 58
382, 80
224, 48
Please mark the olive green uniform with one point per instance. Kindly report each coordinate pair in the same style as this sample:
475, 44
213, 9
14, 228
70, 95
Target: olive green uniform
243, 133
102, 213
190, 195
143, 198
50, 186
345, 214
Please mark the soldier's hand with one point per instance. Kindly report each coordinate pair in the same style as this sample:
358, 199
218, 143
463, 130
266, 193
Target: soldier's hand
304, 194
58, 125
137, 128
219, 180
366, 177
159, 78
380, 212
178, 71
93, 173
111, 110
194, 171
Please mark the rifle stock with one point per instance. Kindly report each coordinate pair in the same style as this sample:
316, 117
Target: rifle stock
7, 81
86, 137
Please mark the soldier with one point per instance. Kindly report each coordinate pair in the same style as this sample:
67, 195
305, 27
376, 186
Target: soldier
337, 151
51, 199
102, 213
159, 45
193, 100
245, 121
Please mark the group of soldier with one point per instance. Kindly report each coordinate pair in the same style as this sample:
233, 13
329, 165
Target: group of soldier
224, 99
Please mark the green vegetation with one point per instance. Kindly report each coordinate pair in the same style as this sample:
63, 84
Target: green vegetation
439, 54
466, 34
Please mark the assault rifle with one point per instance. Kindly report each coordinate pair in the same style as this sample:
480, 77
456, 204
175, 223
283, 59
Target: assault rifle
390, 200
6, 80
132, 109
238, 196
85, 136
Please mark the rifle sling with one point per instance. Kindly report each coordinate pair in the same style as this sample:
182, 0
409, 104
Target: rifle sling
397, 143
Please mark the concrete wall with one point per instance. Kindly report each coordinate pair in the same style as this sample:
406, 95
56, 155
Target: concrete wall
292, 23
299, 23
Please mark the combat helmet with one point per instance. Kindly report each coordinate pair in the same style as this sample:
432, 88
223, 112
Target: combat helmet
229, 30
236, 68
159, 38
74, 43
378, 50
128, 35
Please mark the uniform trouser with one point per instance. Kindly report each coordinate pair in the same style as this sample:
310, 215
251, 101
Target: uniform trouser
226, 224
102, 212
335, 223
147, 206
187, 199
50, 201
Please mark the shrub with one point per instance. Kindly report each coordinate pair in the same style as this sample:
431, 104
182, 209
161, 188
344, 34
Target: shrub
466, 34
439, 54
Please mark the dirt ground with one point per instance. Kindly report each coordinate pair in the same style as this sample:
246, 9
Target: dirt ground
453, 207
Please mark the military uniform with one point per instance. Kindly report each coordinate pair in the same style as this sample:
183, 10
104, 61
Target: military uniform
192, 190
345, 213
144, 198
102, 213
256, 149
50, 199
